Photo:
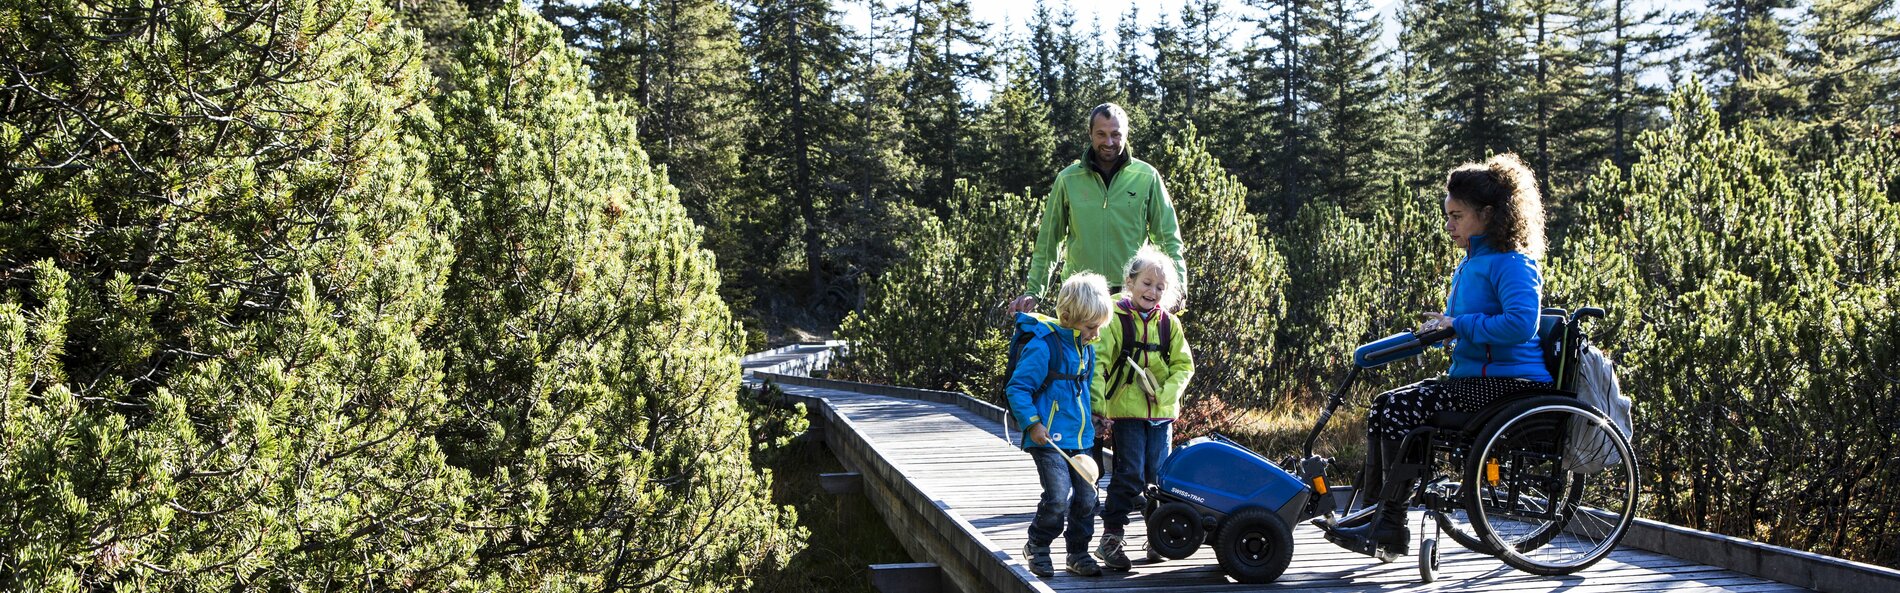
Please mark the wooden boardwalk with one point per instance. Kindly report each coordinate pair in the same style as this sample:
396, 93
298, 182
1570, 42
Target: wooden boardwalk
964, 496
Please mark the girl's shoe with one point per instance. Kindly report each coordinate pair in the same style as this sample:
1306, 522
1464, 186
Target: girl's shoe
1083, 565
1111, 554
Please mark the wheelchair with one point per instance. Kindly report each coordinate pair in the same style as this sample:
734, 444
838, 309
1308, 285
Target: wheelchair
1541, 480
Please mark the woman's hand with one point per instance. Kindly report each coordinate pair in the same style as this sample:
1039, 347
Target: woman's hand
1434, 321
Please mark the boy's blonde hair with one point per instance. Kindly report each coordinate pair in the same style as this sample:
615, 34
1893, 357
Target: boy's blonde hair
1151, 257
1083, 299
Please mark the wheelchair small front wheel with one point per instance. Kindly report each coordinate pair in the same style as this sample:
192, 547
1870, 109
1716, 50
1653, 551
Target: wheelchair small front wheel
1553, 487
1428, 560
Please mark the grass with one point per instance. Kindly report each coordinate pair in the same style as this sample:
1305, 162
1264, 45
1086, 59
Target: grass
844, 535
1279, 432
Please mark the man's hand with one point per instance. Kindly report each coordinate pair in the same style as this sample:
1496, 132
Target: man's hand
1023, 304
1037, 434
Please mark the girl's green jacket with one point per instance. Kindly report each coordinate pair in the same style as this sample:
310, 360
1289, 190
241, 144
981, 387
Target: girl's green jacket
1127, 400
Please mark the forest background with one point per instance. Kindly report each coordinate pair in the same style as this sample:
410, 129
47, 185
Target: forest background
438, 295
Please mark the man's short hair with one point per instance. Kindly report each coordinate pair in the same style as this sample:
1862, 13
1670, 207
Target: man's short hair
1109, 109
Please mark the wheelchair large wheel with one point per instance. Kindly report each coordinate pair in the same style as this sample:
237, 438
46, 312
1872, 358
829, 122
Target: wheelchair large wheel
1552, 486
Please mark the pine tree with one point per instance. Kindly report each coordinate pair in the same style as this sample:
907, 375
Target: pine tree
1639, 43
1236, 303
1849, 66
883, 176
1190, 67
945, 55
1351, 108
1747, 59
678, 63
799, 55
1132, 69
1271, 138
1472, 57
1731, 300
1014, 141
219, 247
963, 266
593, 365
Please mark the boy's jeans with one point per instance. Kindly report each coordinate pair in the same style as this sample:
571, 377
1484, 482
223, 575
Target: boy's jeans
1140, 445
1063, 497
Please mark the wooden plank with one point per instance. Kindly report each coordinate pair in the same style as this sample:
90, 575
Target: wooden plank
966, 496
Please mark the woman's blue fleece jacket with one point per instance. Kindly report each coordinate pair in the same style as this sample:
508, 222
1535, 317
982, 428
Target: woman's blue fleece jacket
1496, 298
1064, 408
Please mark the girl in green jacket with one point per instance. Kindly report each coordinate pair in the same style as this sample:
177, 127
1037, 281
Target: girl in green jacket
1142, 367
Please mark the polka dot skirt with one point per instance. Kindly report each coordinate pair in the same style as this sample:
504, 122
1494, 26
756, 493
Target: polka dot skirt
1398, 411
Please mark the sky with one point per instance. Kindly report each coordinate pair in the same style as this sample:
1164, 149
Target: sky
1018, 13
1014, 17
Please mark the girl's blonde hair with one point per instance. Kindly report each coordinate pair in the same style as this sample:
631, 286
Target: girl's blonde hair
1506, 185
1083, 299
1151, 257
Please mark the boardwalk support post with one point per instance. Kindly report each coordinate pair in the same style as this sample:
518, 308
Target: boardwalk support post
913, 577
842, 483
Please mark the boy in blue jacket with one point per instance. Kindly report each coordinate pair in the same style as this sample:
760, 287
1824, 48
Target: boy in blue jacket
1051, 402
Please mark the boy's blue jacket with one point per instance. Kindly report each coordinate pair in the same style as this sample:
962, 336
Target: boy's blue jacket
1064, 408
1496, 298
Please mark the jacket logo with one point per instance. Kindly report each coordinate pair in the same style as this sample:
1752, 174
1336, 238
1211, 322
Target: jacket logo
1131, 194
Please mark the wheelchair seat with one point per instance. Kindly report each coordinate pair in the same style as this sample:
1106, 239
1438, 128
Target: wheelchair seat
1561, 342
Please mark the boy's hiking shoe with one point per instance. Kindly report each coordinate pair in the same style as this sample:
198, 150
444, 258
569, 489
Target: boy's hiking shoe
1083, 565
1110, 551
1038, 559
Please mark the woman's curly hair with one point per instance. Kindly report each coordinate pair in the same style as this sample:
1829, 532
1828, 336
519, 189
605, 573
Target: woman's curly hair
1506, 185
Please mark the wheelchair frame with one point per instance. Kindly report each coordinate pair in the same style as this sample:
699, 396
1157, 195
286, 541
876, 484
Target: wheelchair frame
1516, 450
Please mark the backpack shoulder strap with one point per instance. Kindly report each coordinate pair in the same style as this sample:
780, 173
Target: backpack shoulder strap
1055, 367
1126, 355
1167, 337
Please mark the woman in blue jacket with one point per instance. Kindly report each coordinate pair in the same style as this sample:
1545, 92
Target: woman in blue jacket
1493, 212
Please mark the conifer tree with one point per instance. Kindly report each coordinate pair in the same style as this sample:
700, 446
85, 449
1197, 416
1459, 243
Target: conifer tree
593, 365
1190, 67
677, 62
881, 174
1638, 44
1849, 66
1473, 57
1015, 144
799, 57
945, 55
1133, 71
219, 247
964, 266
1746, 60
1272, 140
1236, 302
1744, 285
1351, 106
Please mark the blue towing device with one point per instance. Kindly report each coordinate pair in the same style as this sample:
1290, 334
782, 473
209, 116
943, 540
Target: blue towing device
1215, 492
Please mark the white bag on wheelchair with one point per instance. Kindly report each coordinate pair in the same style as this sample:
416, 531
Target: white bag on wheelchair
1591, 451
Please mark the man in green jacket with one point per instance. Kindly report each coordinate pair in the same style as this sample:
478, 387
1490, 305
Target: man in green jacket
1101, 210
